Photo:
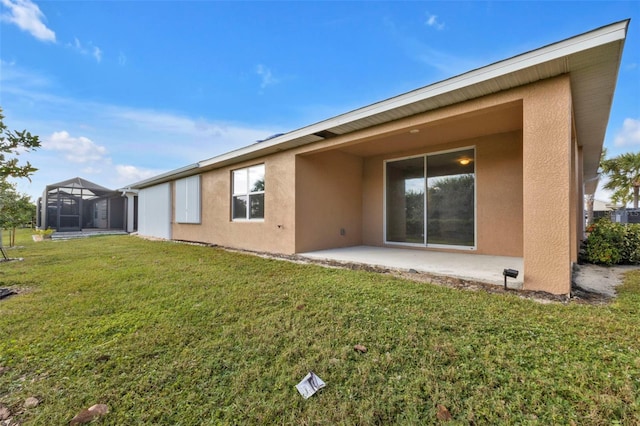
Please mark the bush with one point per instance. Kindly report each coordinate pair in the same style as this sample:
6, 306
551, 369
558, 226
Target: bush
612, 243
631, 244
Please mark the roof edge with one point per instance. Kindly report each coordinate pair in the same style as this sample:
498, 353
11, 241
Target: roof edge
597, 37
161, 178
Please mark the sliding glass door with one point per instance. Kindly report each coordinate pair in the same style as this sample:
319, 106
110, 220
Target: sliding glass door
405, 201
430, 200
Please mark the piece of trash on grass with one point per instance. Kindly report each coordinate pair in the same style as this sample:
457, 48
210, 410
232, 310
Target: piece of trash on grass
360, 348
310, 385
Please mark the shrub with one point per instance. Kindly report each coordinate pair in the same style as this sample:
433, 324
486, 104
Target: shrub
612, 243
631, 244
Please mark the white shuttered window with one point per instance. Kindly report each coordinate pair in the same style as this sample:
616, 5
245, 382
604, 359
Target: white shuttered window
187, 203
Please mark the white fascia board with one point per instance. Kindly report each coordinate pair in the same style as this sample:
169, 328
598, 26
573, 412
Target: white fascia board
607, 34
164, 177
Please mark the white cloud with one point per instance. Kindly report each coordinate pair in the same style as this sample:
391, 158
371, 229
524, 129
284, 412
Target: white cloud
28, 17
629, 134
267, 76
97, 53
128, 173
89, 49
122, 59
432, 21
76, 150
134, 144
186, 130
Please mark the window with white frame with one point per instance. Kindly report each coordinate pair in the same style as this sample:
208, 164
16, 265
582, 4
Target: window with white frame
247, 199
187, 202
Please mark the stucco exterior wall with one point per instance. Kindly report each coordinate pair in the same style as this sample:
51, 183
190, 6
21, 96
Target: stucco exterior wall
498, 193
328, 201
276, 233
547, 156
526, 170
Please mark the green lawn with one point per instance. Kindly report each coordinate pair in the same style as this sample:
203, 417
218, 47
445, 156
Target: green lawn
176, 334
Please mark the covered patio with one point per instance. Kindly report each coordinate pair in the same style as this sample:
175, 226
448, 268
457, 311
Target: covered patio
475, 267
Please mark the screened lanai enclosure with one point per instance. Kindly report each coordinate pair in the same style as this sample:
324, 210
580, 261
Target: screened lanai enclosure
77, 204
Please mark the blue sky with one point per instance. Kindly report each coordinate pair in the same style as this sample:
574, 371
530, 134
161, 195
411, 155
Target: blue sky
119, 91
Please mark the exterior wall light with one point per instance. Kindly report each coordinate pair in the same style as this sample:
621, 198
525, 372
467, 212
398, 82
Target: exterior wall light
511, 273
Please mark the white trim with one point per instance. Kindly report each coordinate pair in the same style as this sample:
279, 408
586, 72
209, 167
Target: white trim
539, 58
598, 37
452, 247
396, 243
248, 192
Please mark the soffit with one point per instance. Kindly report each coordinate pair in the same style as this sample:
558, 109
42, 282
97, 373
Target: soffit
489, 121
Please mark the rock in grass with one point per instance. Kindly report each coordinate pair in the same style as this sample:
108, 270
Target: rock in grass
85, 416
360, 348
4, 412
443, 414
31, 402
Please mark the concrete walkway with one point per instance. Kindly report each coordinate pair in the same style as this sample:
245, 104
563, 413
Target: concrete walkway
475, 267
70, 235
600, 279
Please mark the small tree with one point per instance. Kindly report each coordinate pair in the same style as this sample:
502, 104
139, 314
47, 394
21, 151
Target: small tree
12, 144
624, 177
15, 209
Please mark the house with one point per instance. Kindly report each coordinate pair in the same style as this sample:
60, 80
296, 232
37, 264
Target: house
76, 204
494, 161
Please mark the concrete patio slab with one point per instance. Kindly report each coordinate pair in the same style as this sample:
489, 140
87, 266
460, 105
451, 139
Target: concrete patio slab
475, 267
70, 235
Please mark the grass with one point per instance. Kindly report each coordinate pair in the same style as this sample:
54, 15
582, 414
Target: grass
167, 333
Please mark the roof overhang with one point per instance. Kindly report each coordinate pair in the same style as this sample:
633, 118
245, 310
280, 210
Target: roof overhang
185, 171
591, 59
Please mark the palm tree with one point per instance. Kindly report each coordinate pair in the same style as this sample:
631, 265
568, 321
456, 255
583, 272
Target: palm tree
624, 177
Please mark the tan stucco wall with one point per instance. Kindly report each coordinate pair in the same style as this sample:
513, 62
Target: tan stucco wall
526, 169
328, 201
498, 192
276, 233
547, 156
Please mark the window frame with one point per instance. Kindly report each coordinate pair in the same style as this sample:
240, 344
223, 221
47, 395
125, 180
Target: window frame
424, 244
248, 193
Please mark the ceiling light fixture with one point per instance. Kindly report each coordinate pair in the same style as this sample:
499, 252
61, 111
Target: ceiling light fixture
464, 161
414, 131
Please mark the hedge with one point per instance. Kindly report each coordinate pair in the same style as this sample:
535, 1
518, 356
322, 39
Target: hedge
611, 243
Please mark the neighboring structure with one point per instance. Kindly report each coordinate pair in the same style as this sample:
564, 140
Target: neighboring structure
625, 215
602, 209
77, 204
494, 161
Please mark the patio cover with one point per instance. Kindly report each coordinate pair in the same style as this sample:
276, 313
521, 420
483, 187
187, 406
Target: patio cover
77, 185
